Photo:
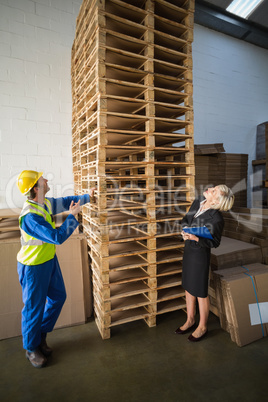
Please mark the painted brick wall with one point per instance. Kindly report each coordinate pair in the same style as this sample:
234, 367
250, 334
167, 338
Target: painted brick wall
35, 93
230, 92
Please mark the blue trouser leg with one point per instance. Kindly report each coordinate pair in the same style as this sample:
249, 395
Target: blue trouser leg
56, 297
40, 283
34, 281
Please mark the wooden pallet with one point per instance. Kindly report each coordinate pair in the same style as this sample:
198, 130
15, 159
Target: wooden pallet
132, 131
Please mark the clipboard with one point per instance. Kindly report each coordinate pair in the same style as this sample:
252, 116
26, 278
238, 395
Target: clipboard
201, 231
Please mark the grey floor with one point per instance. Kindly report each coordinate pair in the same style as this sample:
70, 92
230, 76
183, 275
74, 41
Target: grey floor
137, 364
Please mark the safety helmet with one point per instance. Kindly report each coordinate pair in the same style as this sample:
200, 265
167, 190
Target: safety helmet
27, 179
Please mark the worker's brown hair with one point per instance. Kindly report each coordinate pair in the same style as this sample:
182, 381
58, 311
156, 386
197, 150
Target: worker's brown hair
32, 194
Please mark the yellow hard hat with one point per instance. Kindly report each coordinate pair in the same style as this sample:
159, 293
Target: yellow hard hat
27, 179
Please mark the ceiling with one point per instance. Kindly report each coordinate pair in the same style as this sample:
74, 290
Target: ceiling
212, 14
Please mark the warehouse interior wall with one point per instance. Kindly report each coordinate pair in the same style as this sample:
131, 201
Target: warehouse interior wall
230, 93
230, 87
36, 39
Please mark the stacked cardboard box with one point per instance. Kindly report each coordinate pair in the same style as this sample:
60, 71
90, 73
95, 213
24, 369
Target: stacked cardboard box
133, 140
249, 225
208, 149
233, 171
244, 241
9, 224
232, 252
215, 167
207, 174
242, 300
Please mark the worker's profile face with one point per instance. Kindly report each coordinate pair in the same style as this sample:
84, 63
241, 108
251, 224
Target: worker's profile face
43, 187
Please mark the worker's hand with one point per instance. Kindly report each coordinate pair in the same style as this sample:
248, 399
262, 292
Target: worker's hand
92, 193
75, 208
188, 236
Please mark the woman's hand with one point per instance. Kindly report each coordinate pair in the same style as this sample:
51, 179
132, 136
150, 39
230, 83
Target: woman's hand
75, 208
188, 236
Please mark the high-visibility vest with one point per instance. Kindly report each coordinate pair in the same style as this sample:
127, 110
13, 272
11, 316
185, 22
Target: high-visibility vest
34, 251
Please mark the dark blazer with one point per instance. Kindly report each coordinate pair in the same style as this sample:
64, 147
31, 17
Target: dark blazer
196, 256
212, 219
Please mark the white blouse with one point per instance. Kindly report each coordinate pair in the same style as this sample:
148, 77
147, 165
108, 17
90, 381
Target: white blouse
201, 211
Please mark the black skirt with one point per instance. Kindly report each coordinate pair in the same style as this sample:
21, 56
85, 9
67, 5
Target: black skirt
195, 269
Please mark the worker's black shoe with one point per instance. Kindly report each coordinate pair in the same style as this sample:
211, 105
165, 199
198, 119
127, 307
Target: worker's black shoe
36, 358
44, 348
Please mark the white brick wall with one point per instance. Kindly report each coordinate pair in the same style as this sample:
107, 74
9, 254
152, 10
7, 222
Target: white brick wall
36, 36
35, 92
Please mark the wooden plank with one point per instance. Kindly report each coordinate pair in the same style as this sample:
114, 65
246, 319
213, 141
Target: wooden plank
170, 11
170, 268
164, 282
169, 243
130, 302
127, 249
122, 317
170, 293
129, 289
171, 305
126, 10
123, 263
172, 255
128, 276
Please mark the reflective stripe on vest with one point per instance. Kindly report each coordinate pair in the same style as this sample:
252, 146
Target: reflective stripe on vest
34, 251
34, 242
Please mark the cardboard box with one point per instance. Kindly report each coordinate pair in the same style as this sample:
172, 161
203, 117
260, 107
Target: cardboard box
10, 289
73, 259
242, 299
232, 252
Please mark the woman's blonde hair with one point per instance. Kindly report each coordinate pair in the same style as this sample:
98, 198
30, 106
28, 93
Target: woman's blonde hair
226, 198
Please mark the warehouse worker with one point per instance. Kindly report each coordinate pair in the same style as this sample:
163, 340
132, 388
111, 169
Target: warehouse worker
43, 290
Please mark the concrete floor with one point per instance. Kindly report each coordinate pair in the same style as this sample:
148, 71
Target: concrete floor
137, 364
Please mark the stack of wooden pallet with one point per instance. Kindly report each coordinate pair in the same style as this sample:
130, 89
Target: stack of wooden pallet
214, 166
133, 140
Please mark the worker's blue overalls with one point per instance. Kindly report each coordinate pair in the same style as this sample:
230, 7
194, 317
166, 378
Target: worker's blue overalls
43, 290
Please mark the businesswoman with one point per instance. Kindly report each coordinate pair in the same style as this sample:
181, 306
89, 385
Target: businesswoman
196, 259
